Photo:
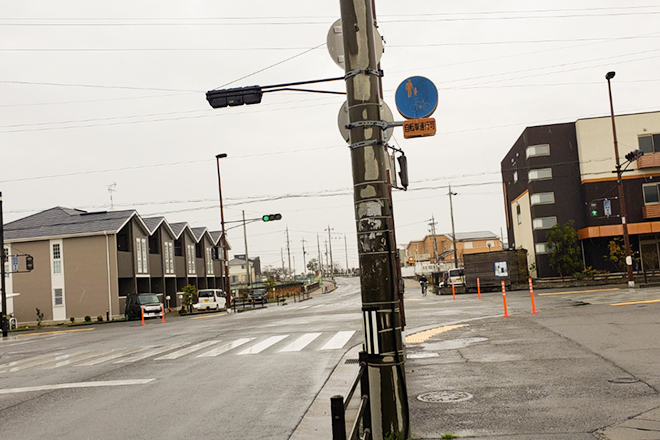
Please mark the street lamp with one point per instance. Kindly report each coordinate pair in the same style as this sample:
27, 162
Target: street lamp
223, 238
624, 223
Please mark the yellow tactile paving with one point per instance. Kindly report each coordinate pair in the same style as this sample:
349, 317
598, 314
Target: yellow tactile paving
418, 338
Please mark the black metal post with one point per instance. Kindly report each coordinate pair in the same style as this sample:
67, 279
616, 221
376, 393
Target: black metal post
3, 318
338, 418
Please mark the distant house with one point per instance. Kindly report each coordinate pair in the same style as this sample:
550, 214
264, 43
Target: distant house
86, 263
466, 243
238, 271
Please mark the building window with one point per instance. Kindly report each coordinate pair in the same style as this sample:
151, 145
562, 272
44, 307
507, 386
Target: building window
542, 248
540, 174
537, 150
544, 222
209, 261
649, 143
154, 243
169, 257
59, 297
542, 198
123, 242
190, 256
57, 258
178, 248
651, 194
7, 263
518, 214
468, 245
141, 254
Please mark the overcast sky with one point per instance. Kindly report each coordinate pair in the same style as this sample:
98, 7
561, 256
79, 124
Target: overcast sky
94, 94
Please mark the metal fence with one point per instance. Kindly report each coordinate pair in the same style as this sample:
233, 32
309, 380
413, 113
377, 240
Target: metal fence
361, 429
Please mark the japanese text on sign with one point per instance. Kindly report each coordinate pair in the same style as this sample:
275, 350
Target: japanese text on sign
419, 127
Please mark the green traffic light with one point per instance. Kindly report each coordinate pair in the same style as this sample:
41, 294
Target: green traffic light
271, 217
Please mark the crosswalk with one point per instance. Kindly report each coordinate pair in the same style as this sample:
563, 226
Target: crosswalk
275, 344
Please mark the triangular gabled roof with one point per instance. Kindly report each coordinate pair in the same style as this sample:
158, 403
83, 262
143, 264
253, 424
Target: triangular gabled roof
64, 222
154, 223
199, 233
216, 236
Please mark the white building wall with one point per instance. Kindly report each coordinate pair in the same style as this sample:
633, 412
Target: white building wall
596, 143
522, 230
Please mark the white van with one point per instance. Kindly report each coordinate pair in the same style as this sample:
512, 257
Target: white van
455, 276
211, 299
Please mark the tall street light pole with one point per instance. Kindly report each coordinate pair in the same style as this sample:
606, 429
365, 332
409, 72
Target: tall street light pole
619, 183
379, 280
223, 238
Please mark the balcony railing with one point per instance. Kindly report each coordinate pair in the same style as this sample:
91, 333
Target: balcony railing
651, 160
651, 211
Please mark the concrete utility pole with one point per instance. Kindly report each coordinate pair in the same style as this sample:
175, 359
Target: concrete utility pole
320, 263
247, 260
282, 255
304, 259
435, 243
453, 231
332, 268
619, 184
223, 240
374, 223
346, 249
3, 317
288, 250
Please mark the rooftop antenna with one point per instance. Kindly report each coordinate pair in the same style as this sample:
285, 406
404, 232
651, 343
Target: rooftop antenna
111, 189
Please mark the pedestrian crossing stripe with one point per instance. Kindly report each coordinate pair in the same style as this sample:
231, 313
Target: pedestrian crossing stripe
206, 349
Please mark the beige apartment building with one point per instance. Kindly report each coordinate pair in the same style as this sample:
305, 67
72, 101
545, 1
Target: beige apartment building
466, 243
86, 263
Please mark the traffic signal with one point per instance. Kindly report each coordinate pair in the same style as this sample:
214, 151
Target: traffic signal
234, 97
271, 217
403, 173
29, 262
594, 209
634, 155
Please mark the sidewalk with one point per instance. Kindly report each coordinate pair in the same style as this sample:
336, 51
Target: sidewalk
525, 377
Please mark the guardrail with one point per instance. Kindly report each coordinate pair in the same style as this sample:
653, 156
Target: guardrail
241, 304
338, 406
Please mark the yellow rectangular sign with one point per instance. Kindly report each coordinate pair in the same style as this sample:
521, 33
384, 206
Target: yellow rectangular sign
419, 127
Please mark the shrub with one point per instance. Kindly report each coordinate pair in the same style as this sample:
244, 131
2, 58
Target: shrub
88, 318
72, 319
99, 318
40, 317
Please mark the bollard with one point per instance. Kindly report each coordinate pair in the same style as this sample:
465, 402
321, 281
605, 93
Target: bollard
453, 290
142, 313
163, 310
531, 292
338, 418
478, 288
506, 314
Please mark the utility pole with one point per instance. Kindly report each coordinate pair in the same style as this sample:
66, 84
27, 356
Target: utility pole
435, 244
332, 267
288, 250
282, 255
304, 259
223, 240
3, 256
453, 231
320, 262
346, 248
247, 260
375, 225
325, 243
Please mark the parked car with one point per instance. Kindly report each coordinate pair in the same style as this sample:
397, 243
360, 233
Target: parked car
455, 276
149, 301
211, 299
259, 295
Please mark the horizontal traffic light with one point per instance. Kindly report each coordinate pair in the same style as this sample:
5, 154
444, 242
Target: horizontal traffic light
234, 97
634, 155
271, 217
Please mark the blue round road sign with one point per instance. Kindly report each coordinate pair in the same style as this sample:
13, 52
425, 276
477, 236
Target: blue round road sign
416, 97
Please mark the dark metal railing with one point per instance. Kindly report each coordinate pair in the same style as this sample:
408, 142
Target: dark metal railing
240, 304
339, 404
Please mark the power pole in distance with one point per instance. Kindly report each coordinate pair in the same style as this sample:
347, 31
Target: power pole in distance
332, 268
453, 231
374, 223
288, 250
304, 258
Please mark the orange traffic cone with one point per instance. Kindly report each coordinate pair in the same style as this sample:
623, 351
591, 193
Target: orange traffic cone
531, 292
506, 314
162, 308
142, 313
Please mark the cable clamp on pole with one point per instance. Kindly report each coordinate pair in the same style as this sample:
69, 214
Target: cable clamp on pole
365, 144
352, 73
384, 125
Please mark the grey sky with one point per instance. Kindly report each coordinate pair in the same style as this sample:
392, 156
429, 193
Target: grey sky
96, 93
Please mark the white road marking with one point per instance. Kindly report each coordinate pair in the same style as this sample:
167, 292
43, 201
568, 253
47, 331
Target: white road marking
146, 354
320, 305
261, 346
301, 342
107, 383
23, 361
58, 357
226, 347
187, 350
72, 359
338, 340
114, 355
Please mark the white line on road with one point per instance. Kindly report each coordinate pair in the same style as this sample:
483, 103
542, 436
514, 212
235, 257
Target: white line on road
225, 348
261, 346
107, 383
149, 353
187, 350
338, 340
114, 355
301, 342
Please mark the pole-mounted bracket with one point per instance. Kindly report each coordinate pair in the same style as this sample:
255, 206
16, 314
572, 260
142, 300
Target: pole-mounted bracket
352, 73
384, 125
365, 144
